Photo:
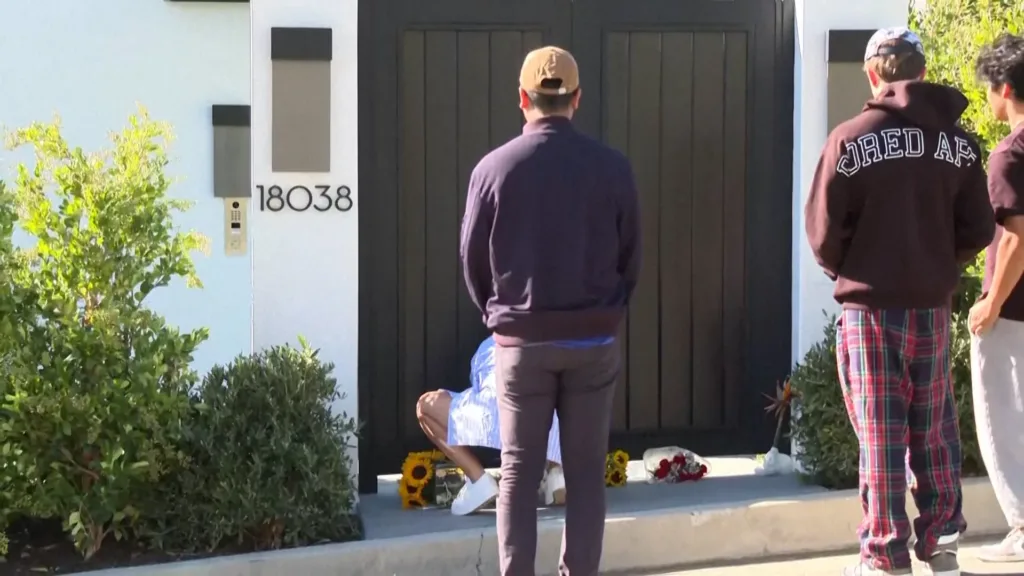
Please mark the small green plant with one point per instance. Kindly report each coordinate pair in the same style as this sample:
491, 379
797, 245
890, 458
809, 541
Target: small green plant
90, 409
268, 465
829, 453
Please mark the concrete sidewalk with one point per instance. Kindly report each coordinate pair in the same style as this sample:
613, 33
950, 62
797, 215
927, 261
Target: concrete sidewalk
832, 565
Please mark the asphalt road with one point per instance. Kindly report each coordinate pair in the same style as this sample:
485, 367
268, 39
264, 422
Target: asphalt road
832, 565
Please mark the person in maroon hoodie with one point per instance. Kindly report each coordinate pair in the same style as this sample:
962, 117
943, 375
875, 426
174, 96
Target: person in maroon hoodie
898, 204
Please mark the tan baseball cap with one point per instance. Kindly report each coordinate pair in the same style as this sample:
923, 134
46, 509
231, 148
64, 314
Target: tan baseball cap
549, 63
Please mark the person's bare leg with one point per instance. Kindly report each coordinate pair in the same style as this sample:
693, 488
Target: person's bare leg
432, 412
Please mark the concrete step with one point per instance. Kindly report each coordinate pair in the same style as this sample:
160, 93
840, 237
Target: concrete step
731, 515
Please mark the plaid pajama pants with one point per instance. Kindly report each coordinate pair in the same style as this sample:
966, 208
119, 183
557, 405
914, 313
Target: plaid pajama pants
895, 372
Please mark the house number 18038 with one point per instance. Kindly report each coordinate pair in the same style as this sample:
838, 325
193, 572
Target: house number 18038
322, 198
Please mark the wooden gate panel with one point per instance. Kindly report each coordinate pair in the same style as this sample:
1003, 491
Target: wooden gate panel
643, 76
412, 231
458, 101
735, 203
663, 92
694, 93
676, 214
707, 226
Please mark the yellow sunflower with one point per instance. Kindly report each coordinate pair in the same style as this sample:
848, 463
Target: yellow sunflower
417, 470
615, 479
412, 496
620, 458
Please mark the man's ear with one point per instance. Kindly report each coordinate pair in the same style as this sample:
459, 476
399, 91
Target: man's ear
873, 78
1006, 92
924, 72
524, 100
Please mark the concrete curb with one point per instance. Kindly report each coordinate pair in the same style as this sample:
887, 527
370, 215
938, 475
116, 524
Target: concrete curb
646, 542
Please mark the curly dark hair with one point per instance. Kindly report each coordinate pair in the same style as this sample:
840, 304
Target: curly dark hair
1002, 62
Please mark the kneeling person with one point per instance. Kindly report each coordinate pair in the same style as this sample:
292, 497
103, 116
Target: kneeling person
455, 421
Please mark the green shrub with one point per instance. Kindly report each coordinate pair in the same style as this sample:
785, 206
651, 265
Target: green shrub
97, 384
267, 460
829, 453
954, 32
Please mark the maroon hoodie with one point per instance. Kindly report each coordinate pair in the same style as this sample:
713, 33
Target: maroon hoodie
899, 200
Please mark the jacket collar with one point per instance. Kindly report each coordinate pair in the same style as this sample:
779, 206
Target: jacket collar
548, 124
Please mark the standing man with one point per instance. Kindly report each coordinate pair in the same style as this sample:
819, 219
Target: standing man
898, 204
550, 251
997, 320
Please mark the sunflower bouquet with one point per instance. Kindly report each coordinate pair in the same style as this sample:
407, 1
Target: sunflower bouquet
415, 486
615, 469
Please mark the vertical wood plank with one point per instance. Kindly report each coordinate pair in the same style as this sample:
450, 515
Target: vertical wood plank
615, 100
473, 144
441, 211
532, 39
708, 161
734, 200
506, 61
644, 153
412, 228
677, 84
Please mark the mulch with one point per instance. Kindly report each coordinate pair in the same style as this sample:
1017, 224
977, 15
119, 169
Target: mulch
42, 547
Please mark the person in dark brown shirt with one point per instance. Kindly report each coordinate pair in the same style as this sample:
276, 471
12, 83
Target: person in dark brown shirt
898, 204
997, 320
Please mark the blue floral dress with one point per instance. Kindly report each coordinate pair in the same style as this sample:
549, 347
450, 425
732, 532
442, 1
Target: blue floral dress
473, 417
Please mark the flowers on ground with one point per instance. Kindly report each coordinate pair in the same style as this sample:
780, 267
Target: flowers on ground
615, 469
414, 487
677, 465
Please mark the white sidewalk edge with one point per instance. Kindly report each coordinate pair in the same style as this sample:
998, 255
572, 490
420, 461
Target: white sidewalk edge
649, 541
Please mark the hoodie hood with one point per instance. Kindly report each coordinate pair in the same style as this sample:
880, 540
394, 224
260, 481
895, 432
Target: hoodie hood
923, 104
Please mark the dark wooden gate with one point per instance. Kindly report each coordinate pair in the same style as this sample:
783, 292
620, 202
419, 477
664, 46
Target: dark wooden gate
698, 94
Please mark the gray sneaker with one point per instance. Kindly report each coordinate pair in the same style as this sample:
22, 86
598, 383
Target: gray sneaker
1011, 549
943, 561
865, 570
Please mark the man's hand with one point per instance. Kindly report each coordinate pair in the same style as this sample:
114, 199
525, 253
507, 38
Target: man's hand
982, 317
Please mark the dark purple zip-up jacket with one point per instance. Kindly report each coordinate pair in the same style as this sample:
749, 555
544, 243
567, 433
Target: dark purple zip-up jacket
550, 240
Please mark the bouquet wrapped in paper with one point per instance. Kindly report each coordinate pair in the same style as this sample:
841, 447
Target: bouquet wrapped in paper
672, 464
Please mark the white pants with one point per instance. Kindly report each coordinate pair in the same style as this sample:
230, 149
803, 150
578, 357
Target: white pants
997, 371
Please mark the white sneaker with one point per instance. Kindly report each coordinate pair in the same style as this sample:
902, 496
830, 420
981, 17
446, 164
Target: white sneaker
475, 495
554, 487
1011, 549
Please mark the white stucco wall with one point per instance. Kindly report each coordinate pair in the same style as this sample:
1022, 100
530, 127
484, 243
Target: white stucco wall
91, 62
306, 264
812, 290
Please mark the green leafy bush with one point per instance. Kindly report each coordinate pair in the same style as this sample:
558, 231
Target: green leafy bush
267, 461
954, 32
829, 453
91, 402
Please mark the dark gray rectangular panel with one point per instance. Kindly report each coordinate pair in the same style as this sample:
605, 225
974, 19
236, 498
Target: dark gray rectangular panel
301, 44
232, 115
301, 99
232, 152
848, 90
848, 45
301, 125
